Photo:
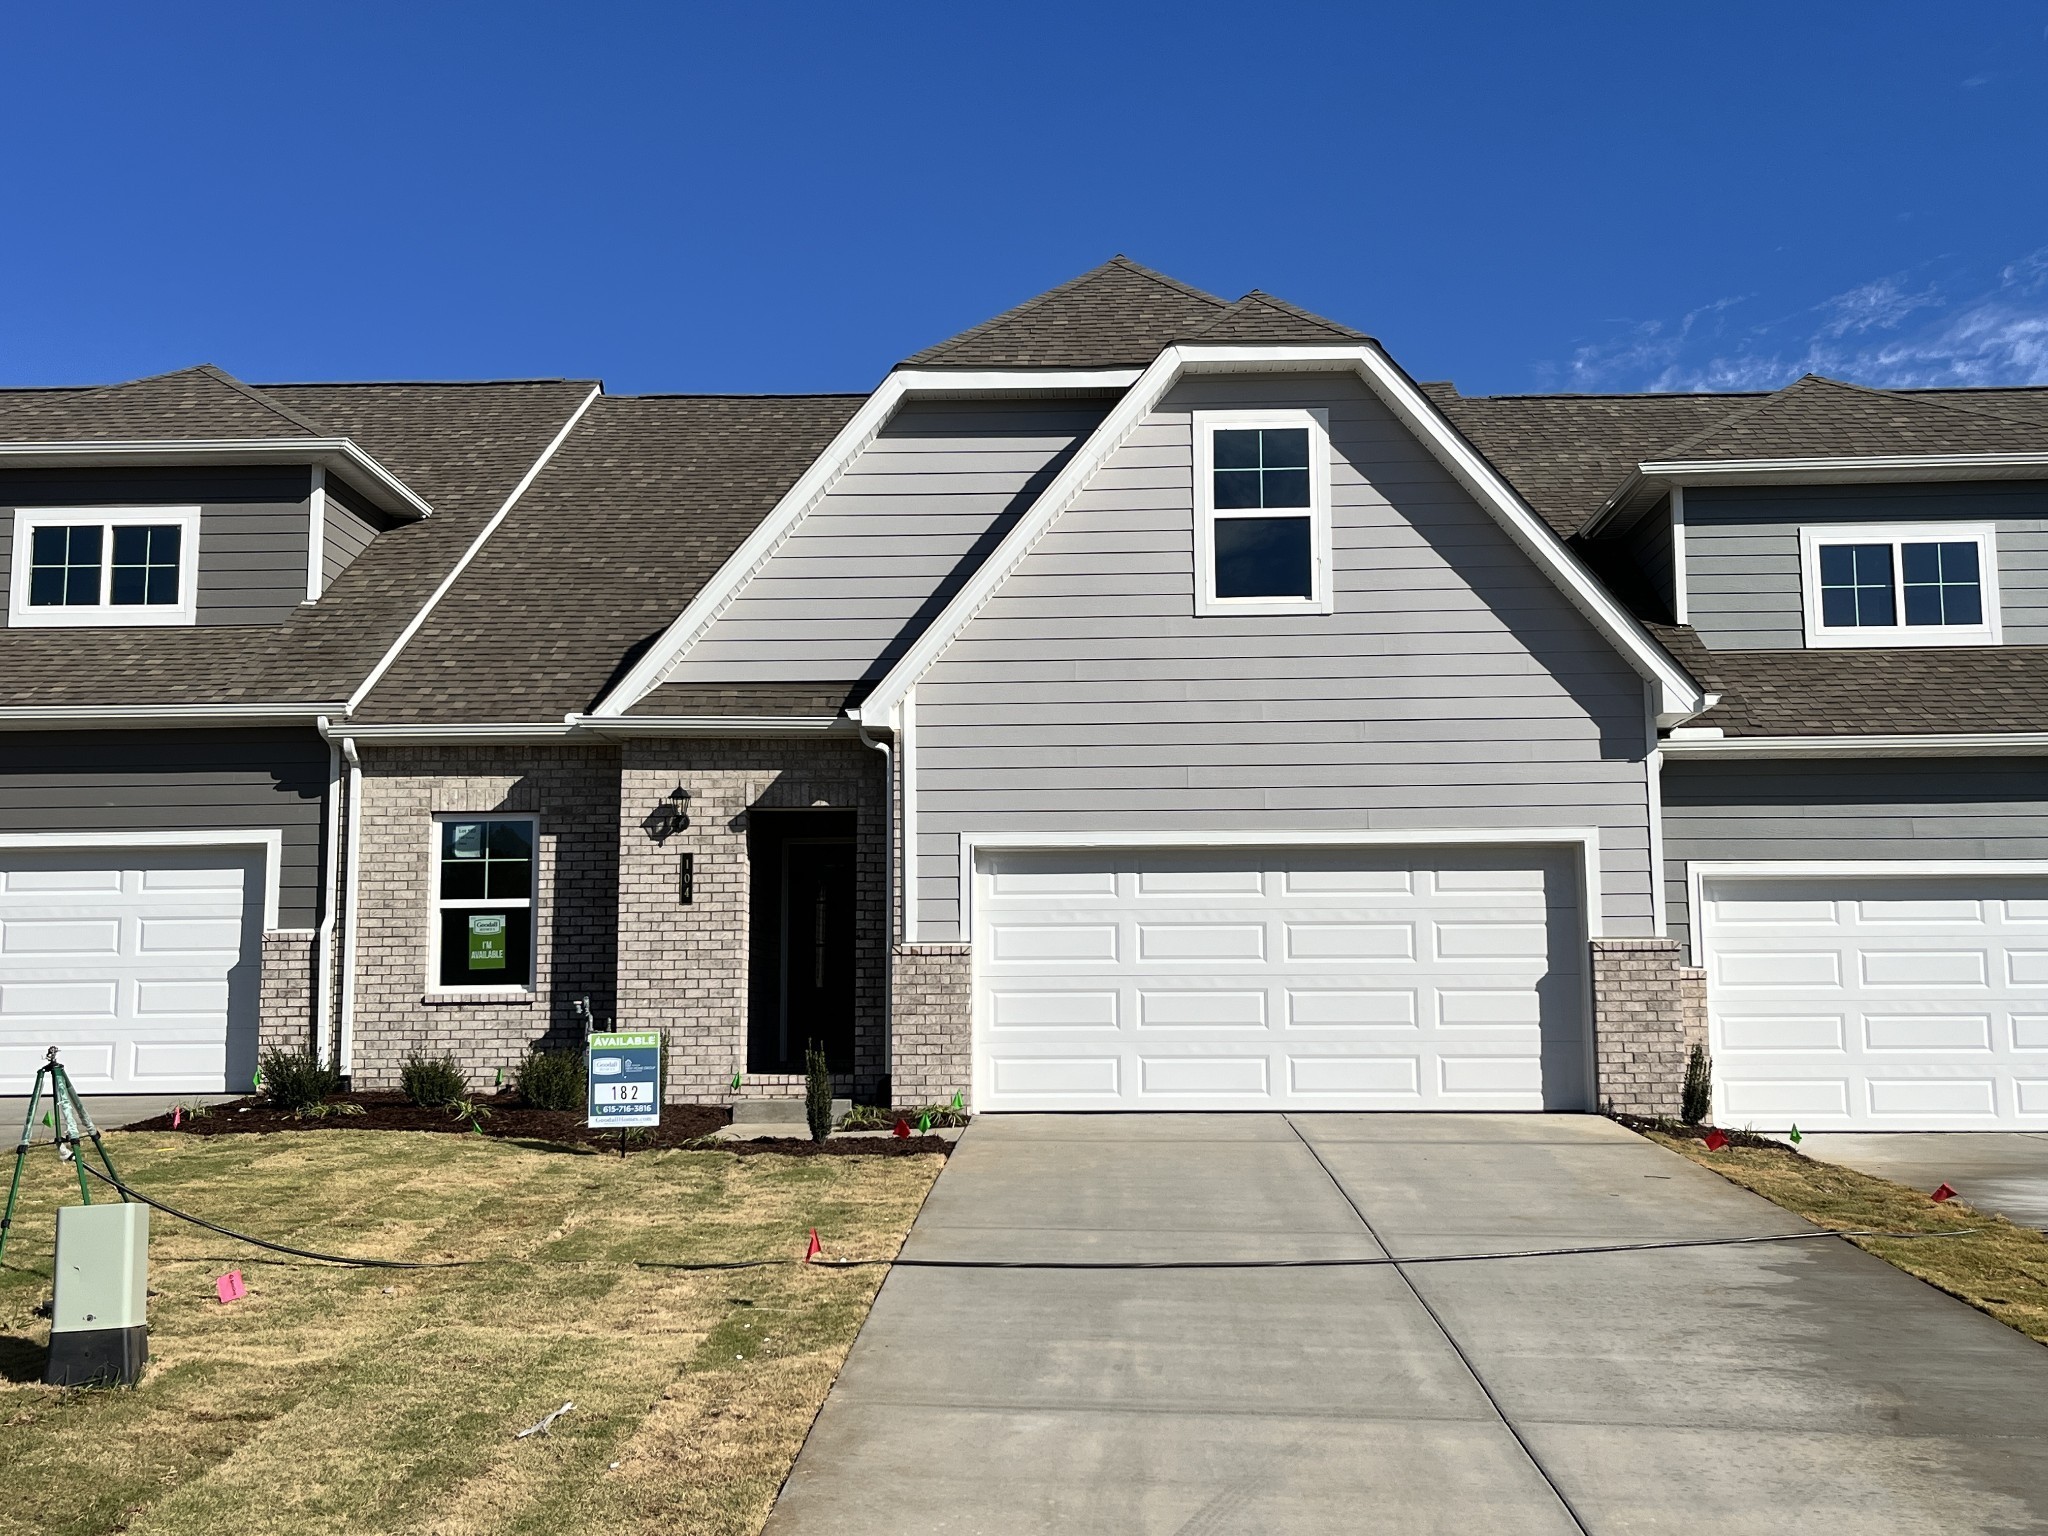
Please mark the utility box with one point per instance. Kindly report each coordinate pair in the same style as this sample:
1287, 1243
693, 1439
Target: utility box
99, 1329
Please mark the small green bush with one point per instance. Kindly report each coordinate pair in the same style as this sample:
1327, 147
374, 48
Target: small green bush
552, 1080
431, 1081
1697, 1100
295, 1081
817, 1093
869, 1117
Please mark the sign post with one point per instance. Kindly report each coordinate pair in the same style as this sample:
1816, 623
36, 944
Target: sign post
624, 1071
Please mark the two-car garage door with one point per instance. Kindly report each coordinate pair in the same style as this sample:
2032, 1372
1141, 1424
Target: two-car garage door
1878, 1002
1278, 978
140, 967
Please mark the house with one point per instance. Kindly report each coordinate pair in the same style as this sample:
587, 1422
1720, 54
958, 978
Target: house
1140, 700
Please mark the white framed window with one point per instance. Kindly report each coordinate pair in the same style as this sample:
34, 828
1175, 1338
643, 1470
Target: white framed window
481, 935
1900, 584
103, 566
1262, 512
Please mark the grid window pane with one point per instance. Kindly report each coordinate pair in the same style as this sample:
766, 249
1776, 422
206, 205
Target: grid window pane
486, 859
1856, 590
145, 566
1261, 467
1263, 557
64, 567
1942, 583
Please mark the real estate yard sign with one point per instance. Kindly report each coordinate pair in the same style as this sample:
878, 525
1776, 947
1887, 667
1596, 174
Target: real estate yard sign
625, 1079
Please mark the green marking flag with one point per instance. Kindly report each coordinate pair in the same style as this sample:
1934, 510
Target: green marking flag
46, 1117
735, 1081
501, 1077
924, 1122
1795, 1138
959, 1099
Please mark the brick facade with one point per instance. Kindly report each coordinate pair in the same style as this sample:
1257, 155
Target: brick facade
285, 1013
574, 791
684, 968
1648, 1010
932, 1052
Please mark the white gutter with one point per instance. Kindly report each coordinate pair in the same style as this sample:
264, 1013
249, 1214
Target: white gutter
345, 1050
712, 725
1957, 744
31, 716
426, 734
889, 884
340, 454
483, 536
323, 942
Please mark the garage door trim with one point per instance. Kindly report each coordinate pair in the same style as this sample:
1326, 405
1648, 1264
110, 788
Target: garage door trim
1698, 873
269, 839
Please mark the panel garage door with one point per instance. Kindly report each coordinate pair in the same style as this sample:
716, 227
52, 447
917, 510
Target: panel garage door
140, 968
1880, 1004
1279, 979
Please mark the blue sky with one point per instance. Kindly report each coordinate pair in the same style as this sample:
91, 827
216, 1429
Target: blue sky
792, 197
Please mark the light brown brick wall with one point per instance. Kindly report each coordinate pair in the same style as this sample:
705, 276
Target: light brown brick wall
932, 1030
1647, 1011
574, 790
684, 969
286, 1011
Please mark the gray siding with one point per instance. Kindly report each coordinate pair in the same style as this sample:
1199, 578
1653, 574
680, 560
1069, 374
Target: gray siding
1742, 551
252, 527
1649, 551
349, 528
888, 545
1941, 808
107, 781
1454, 688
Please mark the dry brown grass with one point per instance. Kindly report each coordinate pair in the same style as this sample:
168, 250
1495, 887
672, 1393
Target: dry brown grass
1987, 1261
346, 1399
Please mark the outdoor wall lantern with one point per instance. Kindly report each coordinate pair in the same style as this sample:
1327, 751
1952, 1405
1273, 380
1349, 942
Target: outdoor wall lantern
671, 816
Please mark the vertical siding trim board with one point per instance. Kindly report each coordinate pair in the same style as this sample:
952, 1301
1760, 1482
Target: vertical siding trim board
1681, 697
1680, 602
907, 734
269, 839
1653, 784
316, 535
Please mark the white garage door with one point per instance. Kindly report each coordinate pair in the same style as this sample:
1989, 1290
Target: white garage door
1279, 978
1883, 1004
140, 968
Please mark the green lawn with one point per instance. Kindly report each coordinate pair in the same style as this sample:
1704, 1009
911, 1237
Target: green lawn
346, 1399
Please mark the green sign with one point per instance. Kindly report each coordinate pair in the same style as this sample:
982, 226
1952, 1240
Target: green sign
487, 941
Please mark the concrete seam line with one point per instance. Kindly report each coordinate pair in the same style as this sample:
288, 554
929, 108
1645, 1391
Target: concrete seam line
1449, 1338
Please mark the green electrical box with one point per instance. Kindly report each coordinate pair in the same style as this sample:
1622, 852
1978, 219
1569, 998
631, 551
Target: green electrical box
99, 1329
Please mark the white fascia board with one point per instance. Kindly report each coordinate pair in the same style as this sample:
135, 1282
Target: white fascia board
769, 535
339, 454
269, 839
1679, 696
1956, 744
617, 726
427, 733
146, 716
476, 545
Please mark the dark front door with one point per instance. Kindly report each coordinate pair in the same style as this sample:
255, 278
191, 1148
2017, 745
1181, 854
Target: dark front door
803, 962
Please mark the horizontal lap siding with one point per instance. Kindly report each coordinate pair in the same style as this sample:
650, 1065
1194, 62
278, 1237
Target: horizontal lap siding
103, 781
1943, 808
348, 534
1742, 551
1454, 688
843, 595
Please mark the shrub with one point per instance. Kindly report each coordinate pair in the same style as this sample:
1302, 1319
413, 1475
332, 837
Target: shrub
817, 1093
1697, 1101
431, 1081
552, 1080
869, 1117
295, 1081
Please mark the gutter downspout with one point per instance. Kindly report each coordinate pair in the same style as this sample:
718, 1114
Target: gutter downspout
345, 1050
323, 942
889, 906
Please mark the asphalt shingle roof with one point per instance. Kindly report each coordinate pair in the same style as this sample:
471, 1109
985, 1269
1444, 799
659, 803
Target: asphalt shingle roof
1260, 318
194, 403
640, 507
757, 699
1815, 417
1117, 315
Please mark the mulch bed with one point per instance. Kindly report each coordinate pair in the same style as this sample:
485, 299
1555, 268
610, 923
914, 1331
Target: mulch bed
1679, 1130
682, 1125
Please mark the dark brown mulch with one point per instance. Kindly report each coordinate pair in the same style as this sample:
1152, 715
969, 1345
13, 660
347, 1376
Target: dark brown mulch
681, 1125
1683, 1132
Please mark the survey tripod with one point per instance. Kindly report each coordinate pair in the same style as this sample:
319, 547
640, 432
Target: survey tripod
72, 1126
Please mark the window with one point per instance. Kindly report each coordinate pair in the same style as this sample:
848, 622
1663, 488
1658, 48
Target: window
1900, 585
92, 566
483, 903
1262, 512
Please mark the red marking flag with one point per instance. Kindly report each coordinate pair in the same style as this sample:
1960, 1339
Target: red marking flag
902, 1128
1716, 1141
1942, 1195
816, 1250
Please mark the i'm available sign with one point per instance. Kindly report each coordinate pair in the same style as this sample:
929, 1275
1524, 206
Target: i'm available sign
625, 1079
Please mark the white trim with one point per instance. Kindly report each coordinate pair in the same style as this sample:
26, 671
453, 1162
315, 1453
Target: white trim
483, 535
1698, 873
1812, 536
1585, 839
1681, 594
426, 733
620, 726
104, 614
1680, 696
1810, 469
323, 943
269, 839
718, 593
1206, 424
501, 990
345, 1047
44, 716
316, 535
1653, 781
1959, 744
906, 737
386, 490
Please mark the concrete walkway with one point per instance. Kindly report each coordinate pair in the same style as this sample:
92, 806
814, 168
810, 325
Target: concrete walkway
2004, 1172
109, 1111
1764, 1388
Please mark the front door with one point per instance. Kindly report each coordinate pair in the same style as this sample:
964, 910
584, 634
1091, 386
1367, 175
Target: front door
803, 962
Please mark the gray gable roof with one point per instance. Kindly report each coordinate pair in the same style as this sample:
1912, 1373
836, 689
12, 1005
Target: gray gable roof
1117, 315
1259, 318
194, 403
1815, 417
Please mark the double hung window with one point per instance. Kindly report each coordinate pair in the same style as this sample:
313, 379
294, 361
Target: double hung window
1900, 585
1262, 512
483, 903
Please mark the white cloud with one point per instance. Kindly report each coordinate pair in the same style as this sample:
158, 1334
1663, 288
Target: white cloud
1890, 332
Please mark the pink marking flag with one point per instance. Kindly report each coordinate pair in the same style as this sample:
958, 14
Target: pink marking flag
229, 1287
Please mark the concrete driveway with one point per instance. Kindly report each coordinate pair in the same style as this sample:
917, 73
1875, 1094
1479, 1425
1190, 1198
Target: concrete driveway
1765, 1388
2005, 1172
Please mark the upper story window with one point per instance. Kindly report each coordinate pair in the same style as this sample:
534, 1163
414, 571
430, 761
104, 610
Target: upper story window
482, 935
78, 566
1262, 512
1900, 585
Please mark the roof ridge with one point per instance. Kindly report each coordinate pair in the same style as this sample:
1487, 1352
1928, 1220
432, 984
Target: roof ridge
1821, 380
938, 350
222, 377
413, 383
1975, 411
1721, 423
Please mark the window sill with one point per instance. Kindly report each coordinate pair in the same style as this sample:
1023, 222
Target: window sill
522, 997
